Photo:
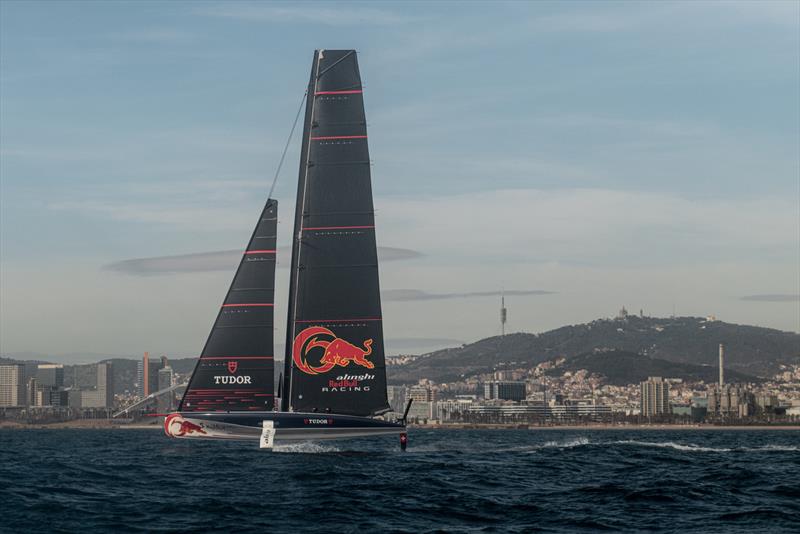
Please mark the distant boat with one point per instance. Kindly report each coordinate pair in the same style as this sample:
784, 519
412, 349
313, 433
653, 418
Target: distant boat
334, 380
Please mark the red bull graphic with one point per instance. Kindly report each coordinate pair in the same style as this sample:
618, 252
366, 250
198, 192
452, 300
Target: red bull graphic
336, 351
176, 426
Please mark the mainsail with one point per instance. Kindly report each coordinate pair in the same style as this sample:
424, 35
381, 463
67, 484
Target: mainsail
334, 346
235, 371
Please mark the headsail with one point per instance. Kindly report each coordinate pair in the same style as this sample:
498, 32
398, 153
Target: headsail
334, 350
235, 371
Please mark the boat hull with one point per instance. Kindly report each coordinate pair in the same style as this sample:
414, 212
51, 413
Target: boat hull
289, 427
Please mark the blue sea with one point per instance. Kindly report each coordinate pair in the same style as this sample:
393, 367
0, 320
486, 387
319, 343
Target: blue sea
447, 481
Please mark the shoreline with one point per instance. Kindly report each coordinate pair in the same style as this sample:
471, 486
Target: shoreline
464, 426
102, 424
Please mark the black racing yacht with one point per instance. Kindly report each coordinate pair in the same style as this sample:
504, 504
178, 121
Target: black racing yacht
333, 384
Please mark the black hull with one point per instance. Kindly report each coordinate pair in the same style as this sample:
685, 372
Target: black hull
289, 426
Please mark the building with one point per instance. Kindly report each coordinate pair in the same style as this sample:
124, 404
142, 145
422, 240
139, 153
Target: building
504, 390
50, 375
33, 386
421, 411
421, 394
165, 401
731, 400
654, 397
140, 377
103, 395
12, 385
147, 374
397, 398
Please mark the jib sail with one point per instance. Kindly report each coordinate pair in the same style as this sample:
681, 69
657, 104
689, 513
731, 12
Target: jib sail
334, 349
235, 371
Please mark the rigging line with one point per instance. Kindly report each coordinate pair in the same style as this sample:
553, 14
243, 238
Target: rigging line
288, 141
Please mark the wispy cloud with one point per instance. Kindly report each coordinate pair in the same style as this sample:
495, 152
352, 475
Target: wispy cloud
417, 294
308, 13
777, 297
220, 260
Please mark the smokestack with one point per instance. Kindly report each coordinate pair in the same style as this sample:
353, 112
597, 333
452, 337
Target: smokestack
146, 365
721, 365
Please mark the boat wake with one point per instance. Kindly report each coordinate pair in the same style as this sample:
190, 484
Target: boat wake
305, 447
565, 444
561, 444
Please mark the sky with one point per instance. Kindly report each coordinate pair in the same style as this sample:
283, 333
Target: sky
579, 156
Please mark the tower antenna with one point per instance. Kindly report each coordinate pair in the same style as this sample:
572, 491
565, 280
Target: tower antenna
503, 313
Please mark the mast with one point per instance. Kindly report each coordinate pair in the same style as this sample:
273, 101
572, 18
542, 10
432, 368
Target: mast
235, 371
334, 345
298, 219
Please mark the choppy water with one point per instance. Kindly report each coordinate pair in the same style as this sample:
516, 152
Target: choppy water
449, 480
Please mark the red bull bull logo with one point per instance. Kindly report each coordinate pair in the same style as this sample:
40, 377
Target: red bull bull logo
176, 426
335, 351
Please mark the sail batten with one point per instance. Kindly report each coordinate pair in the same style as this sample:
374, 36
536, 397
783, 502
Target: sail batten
334, 351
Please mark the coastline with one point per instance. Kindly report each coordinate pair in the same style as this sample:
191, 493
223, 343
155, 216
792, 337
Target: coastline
104, 424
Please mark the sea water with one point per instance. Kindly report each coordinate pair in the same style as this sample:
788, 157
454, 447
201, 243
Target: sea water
448, 480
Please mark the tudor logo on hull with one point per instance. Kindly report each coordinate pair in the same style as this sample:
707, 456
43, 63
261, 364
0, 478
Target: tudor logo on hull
335, 351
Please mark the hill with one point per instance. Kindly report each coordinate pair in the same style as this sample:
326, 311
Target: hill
750, 350
621, 368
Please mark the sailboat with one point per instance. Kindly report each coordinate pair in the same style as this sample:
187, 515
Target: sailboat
333, 384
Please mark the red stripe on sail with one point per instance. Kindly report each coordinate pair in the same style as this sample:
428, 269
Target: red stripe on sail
248, 304
341, 320
348, 92
236, 357
333, 137
337, 227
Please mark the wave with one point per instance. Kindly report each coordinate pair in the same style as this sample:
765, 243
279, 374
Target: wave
672, 445
697, 448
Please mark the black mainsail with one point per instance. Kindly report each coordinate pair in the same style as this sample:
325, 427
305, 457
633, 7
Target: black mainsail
334, 344
235, 371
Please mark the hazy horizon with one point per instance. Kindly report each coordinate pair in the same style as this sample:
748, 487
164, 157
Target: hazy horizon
582, 156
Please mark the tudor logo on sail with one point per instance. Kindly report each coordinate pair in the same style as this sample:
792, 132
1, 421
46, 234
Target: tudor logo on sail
336, 351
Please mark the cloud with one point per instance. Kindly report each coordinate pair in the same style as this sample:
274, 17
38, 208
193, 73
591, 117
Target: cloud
308, 13
416, 294
220, 260
779, 297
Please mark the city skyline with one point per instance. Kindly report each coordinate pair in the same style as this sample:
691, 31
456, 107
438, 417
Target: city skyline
661, 176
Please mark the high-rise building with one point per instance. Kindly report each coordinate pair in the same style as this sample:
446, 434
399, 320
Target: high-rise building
146, 374
504, 390
165, 401
50, 375
655, 397
103, 395
140, 378
33, 385
721, 365
12, 385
